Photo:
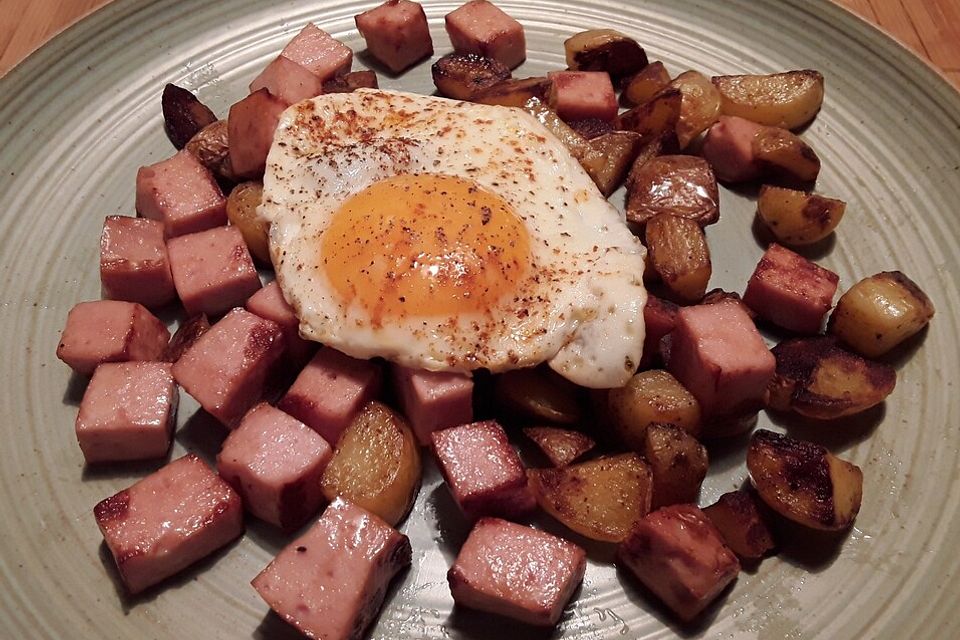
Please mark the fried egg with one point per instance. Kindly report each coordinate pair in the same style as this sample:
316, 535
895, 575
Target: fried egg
450, 236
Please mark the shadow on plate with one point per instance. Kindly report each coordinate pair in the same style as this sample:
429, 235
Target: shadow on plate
835, 435
133, 468
203, 435
273, 627
905, 351
449, 522
816, 251
270, 538
73, 394
478, 624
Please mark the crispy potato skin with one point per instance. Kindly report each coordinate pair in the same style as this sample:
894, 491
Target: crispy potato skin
351, 81
538, 394
645, 84
576, 144
679, 254
604, 50
737, 516
879, 312
678, 463
789, 100
804, 482
183, 114
210, 147
679, 185
609, 159
515, 92
601, 499
796, 217
242, 206
784, 156
560, 446
650, 397
463, 75
654, 118
699, 108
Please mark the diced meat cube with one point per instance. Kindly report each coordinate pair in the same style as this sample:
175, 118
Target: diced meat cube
790, 291
330, 583
110, 331
212, 270
737, 517
128, 412
133, 261
483, 471
433, 400
679, 555
516, 571
728, 148
225, 369
299, 71
480, 27
182, 194
275, 463
269, 303
717, 353
659, 317
167, 521
250, 127
330, 391
576, 95
397, 33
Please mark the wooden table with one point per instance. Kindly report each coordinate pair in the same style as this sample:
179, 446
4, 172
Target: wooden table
931, 28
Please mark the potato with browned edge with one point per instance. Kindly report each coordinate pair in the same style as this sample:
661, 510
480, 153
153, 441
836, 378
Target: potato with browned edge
675, 184
784, 155
601, 499
576, 144
463, 75
642, 86
351, 81
699, 108
654, 118
663, 145
184, 116
210, 147
649, 397
738, 517
789, 100
879, 312
678, 463
242, 206
604, 50
376, 464
538, 394
678, 253
804, 482
609, 157
796, 217
560, 446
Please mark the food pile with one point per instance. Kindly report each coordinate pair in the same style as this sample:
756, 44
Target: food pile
451, 282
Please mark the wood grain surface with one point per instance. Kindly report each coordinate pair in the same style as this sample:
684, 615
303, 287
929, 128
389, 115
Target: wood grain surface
930, 28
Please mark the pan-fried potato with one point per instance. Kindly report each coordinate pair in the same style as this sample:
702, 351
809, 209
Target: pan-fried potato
183, 114
591, 128
737, 516
650, 397
699, 108
604, 50
880, 312
351, 81
784, 155
789, 100
678, 463
796, 217
463, 75
679, 255
645, 84
210, 147
609, 158
538, 394
576, 144
804, 482
655, 117
376, 464
242, 206
515, 92
601, 499
665, 145
675, 184
561, 446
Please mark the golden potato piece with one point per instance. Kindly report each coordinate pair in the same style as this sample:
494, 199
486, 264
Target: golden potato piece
789, 100
210, 147
463, 75
609, 157
645, 84
242, 206
880, 312
655, 117
679, 185
376, 464
576, 144
514, 92
737, 516
804, 482
699, 108
678, 463
664, 145
796, 217
650, 397
784, 155
601, 499
604, 50
538, 394
561, 446
679, 255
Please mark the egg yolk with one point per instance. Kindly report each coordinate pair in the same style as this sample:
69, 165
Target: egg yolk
424, 245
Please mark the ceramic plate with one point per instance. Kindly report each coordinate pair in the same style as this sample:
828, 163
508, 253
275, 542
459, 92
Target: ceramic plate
79, 116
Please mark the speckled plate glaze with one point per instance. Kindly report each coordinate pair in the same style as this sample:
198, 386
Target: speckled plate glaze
79, 116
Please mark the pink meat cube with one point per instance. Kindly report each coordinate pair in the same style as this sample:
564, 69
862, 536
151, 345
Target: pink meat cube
331, 582
718, 354
212, 270
397, 33
226, 367
516, 571
275, 463
110, 331
330, 391
483, 471
659, 317
680, 556
480, 27
433, 400
250, 128
167, 521
128, 412
579, 95
299, 71
133, 261
182, 194
269, 303
790, 291
728, 148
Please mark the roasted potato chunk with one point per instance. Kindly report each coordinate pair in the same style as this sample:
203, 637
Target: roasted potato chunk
682, 186
804, 482
796, 217
650, 397
183, 114
561, 446
376, 464
678, 463
737, 516
242, 206
664, 145
515, 92
645, 84
699, 108
576, 144
601, 499
880, 312
538, 394
605, 50
789, 100
462, 76
591, 128
609, 157
679, 255
655, 117
210, 147
784, 155
351, 81
818, 379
